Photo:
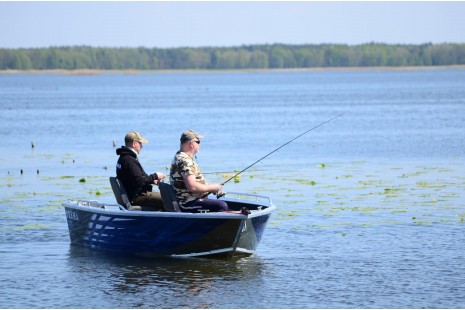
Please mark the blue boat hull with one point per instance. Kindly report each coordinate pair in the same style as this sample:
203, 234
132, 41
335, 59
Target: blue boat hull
107, 227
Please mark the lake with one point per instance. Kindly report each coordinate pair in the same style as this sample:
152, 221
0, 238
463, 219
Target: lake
371, 209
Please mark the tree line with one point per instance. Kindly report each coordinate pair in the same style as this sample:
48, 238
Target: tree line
271, 56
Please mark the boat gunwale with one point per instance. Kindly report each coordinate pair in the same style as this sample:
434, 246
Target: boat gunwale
74, 204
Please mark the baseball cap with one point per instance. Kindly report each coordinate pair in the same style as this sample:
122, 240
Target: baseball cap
190, 135
135, 136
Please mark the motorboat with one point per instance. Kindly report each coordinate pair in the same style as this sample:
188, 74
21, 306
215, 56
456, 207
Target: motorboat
123, 228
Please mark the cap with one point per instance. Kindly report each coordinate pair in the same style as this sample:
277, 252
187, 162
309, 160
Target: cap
135, 136
190, 135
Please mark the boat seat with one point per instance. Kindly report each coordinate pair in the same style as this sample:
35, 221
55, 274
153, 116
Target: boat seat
121, 195
169, 197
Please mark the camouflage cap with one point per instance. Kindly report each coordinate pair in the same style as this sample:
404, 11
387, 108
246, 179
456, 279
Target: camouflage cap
135, 136
190, 135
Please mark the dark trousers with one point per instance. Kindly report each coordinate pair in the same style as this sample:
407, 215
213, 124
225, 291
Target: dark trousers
212, 205
149, 201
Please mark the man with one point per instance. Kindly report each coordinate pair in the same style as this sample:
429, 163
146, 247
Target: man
188, 181
137, 183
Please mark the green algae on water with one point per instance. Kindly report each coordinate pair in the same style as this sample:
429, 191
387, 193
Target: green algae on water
31, 227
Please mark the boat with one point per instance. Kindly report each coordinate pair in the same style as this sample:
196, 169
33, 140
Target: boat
126, 229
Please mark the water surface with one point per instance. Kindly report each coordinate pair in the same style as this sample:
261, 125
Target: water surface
370, 206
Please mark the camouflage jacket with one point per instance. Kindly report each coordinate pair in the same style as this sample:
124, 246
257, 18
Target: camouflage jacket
183, 165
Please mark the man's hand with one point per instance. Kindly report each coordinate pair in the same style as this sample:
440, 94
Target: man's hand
215, 188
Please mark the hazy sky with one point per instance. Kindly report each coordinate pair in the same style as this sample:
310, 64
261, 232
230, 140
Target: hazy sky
194, 24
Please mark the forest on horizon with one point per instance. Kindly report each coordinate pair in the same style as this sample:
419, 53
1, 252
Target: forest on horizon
269, 56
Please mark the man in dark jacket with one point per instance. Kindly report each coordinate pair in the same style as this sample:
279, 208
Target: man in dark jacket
129, 171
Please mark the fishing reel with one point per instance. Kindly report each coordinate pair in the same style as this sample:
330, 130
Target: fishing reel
220, 194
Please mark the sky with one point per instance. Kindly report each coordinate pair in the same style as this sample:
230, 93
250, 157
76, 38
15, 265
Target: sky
219, 24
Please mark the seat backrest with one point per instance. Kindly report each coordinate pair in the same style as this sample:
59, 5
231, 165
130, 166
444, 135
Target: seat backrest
120, 193
169, 197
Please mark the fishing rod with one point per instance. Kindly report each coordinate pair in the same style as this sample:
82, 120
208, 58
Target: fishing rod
220, 194
275, 150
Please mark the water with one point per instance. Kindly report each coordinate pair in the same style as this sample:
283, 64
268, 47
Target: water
371, 211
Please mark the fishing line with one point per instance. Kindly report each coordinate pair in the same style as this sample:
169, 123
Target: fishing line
225, 172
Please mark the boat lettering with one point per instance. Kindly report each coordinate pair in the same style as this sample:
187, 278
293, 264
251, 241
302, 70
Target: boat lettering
72, 215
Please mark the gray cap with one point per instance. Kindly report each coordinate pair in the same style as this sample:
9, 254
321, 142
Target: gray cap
190, 135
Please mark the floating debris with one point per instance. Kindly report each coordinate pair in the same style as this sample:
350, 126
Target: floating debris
114, 143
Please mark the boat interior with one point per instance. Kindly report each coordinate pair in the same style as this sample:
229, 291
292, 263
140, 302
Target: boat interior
236, 202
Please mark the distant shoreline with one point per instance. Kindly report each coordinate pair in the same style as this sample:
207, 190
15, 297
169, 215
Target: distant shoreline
130, 72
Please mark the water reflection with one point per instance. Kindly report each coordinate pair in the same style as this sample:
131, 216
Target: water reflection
163, 282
